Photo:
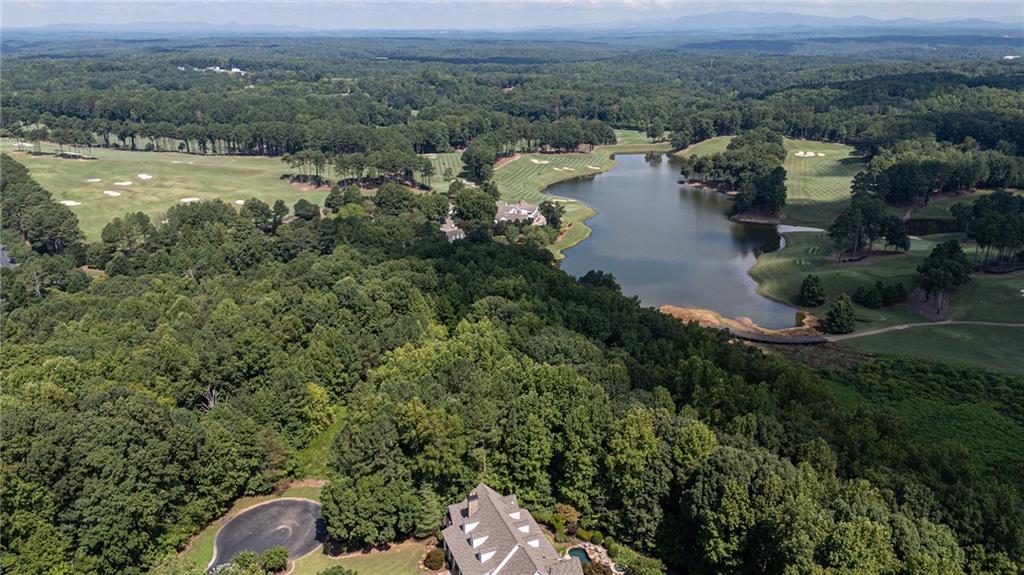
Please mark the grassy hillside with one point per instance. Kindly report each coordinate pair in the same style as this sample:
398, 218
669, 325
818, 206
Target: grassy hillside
986, 347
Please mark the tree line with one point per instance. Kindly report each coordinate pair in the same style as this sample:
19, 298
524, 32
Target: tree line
223, 340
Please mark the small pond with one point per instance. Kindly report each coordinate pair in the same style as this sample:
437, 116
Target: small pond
669, 244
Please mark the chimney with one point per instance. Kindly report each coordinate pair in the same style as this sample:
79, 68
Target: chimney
472, 503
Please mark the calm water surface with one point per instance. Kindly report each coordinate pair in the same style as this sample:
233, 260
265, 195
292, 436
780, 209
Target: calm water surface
671, 245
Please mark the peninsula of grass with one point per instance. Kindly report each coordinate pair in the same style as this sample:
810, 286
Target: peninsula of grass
528, 176
982, 346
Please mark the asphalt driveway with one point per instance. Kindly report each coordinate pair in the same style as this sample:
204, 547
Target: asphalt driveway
293, 523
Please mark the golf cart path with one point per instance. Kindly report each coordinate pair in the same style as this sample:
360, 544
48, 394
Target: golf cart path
834, 338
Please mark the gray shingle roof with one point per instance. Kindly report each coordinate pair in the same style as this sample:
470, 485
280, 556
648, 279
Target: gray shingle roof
489, 534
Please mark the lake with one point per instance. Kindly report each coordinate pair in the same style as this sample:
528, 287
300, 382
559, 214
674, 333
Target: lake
671, 245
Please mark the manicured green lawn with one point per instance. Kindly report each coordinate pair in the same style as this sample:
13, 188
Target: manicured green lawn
174, 177
400, 560
818, 188
988, 347
706, 147
989, 297
939, 207
450, 163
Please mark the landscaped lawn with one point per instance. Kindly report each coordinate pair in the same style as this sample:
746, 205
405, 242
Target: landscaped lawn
988, 347
818, 188
399, 560
174, 177
448, 163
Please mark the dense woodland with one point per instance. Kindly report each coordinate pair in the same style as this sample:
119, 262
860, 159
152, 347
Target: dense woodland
195, 357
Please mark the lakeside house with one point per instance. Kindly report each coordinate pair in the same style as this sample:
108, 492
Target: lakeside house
489, 534
519, 212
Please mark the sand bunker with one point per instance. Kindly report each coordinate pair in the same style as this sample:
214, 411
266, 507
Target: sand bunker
569, 169
144, 177
536, 161
239, 202
557, 169
175, 161
189, 200
594, 167
122, 183
431, 156
70, 203
803, 154
820, 155
111, 193
92, 180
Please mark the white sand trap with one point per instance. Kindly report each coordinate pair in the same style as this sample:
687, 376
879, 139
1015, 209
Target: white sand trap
238, 202
569, 169
594, 167
189, 200
111, 193
803, 154
122, 183
70, 203
432, 156
144, 177
536, 161
93, 180
175, 161
820, 155
557, 169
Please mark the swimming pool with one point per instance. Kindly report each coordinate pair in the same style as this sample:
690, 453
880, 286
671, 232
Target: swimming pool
581, 554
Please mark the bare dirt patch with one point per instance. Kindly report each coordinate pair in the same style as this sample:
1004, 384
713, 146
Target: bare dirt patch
712, 319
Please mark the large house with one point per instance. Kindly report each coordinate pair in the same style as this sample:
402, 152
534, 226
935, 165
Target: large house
489, 534
519, 212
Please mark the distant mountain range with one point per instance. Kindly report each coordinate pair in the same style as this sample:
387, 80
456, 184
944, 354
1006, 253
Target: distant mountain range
739, 22
746, 21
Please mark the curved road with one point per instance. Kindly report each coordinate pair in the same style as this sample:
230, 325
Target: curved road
292, 522
920, 324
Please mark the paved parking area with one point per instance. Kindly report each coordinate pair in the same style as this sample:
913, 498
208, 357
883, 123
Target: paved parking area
291, 522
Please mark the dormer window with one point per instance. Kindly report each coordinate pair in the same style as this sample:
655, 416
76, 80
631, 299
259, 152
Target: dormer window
485, 556
478, 542
524, 528
533, 543
468, 527
514, 515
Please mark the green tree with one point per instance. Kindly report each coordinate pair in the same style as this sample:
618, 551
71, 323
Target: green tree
812, 291
840, 317
945, 269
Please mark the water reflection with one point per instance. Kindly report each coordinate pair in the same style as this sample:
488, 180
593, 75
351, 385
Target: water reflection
671, 245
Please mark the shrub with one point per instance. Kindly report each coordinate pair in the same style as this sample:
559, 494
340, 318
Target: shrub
583, 534
338, 570
275, 559
597, 538
434, 560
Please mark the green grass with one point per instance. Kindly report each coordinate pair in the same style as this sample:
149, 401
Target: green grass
779, 274
989, 297
312, 460
939, 207
987, 347
707, 147
400, 560
451, 161
818, 188
175, 176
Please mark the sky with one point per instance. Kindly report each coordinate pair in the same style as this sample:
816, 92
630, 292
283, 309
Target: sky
468, 14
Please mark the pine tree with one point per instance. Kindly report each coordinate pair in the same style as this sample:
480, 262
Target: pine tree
840, 318
812, 291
